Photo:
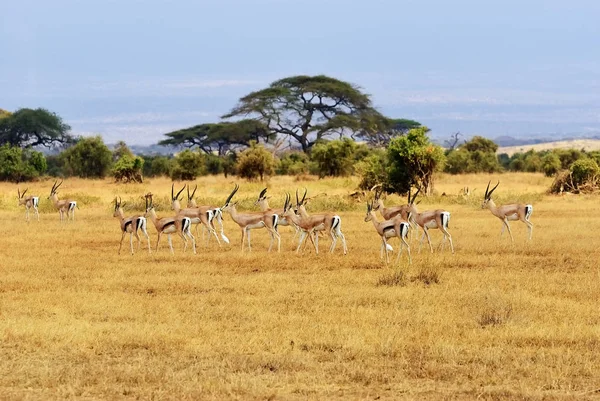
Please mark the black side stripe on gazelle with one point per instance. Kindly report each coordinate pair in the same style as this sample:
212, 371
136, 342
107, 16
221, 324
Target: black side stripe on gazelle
275, 221
127, 223
169, 223
336, 222
528, 211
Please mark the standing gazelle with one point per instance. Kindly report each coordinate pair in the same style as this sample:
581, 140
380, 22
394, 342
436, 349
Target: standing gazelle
249, 221
506, 213
169, 225
390, 212
263, 203
130, 225
217, 215
431, 219
329, 223
64, 206
29, 202
396, 227
198, 215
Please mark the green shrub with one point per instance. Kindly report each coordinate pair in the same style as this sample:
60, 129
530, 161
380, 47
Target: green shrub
255, 162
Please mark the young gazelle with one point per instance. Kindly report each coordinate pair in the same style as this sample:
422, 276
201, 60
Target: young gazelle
506, 213
431, 219
64, 206
396, 227
249, 221
130, 225
169, 225
198, 215
217, 215
29, 202
330, 223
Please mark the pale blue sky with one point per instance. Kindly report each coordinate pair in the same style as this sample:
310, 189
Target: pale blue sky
134, 70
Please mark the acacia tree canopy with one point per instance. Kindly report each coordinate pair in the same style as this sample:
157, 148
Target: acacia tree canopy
379, 130
33, 127
220, 137
308, 108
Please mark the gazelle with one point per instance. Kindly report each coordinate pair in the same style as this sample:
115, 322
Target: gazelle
431, 219
306, 226
330, 223
506, 213
396, 227
263, 203
130, 225
169, 225
64, 206
249, 221
390, 212
29, 202
198, 215
217, 215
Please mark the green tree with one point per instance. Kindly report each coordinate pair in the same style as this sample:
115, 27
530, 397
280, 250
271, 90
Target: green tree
33, 127
373, 170
293, 163
155, 166
19, 165
219, 137
255, 162
413, 160
308, 108
479, 143
551, 164
334, 158
583, 171
88, 158
128, 168
188, 165
121, 149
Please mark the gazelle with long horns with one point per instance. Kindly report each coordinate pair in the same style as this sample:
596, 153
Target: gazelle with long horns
263, 203
439, 219
30, 202
249, 221
506, 213
217, 215
169, 225
130, 225
64, 206
396, 227
198, 215
329, 223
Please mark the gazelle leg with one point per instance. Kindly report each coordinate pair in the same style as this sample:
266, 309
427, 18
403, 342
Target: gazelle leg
121, 243
248, 238
158, 240
139, 240
37, 213
407, 250
428, 239
170, 244
384, 245
193, 241
316, 234
310, 237
148, 239
343, 237
447, 234
508, 228
301, 240
243, 238
27, 214
530, 227
421, 241
131, 241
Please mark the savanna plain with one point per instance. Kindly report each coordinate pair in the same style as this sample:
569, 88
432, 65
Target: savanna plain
496, 320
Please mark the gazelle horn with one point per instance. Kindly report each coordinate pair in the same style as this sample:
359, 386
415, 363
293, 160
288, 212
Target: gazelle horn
262, 193
193, 192
231, 194
179, 193
489, 195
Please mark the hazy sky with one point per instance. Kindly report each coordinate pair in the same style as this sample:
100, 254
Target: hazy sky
134, 70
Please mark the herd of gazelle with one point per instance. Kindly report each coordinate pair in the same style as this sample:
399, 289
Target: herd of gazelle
398, 220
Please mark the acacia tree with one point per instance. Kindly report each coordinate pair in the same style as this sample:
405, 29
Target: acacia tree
220, 137
308, 108
380, 130
33, 127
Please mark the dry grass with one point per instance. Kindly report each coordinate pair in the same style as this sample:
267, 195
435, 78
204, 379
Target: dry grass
495, 321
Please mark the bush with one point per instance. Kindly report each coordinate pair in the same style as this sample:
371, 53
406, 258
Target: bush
334, 158
188, 166
128, 169
155, 166
551, 164
255, 162
18, 164
584, 171
372, 170
88, 158
213, 164
293, 163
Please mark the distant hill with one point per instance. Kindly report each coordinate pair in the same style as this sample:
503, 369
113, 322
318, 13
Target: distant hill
587, 144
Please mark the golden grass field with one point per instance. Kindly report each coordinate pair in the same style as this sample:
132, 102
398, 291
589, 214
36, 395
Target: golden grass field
503, 321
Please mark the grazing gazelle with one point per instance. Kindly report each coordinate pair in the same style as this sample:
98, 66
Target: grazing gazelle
396, 227
29, 202
217, 215
169, 225
64, 206
330, 223
506, 213
198, 215
130, 225
249, 221
431, 219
